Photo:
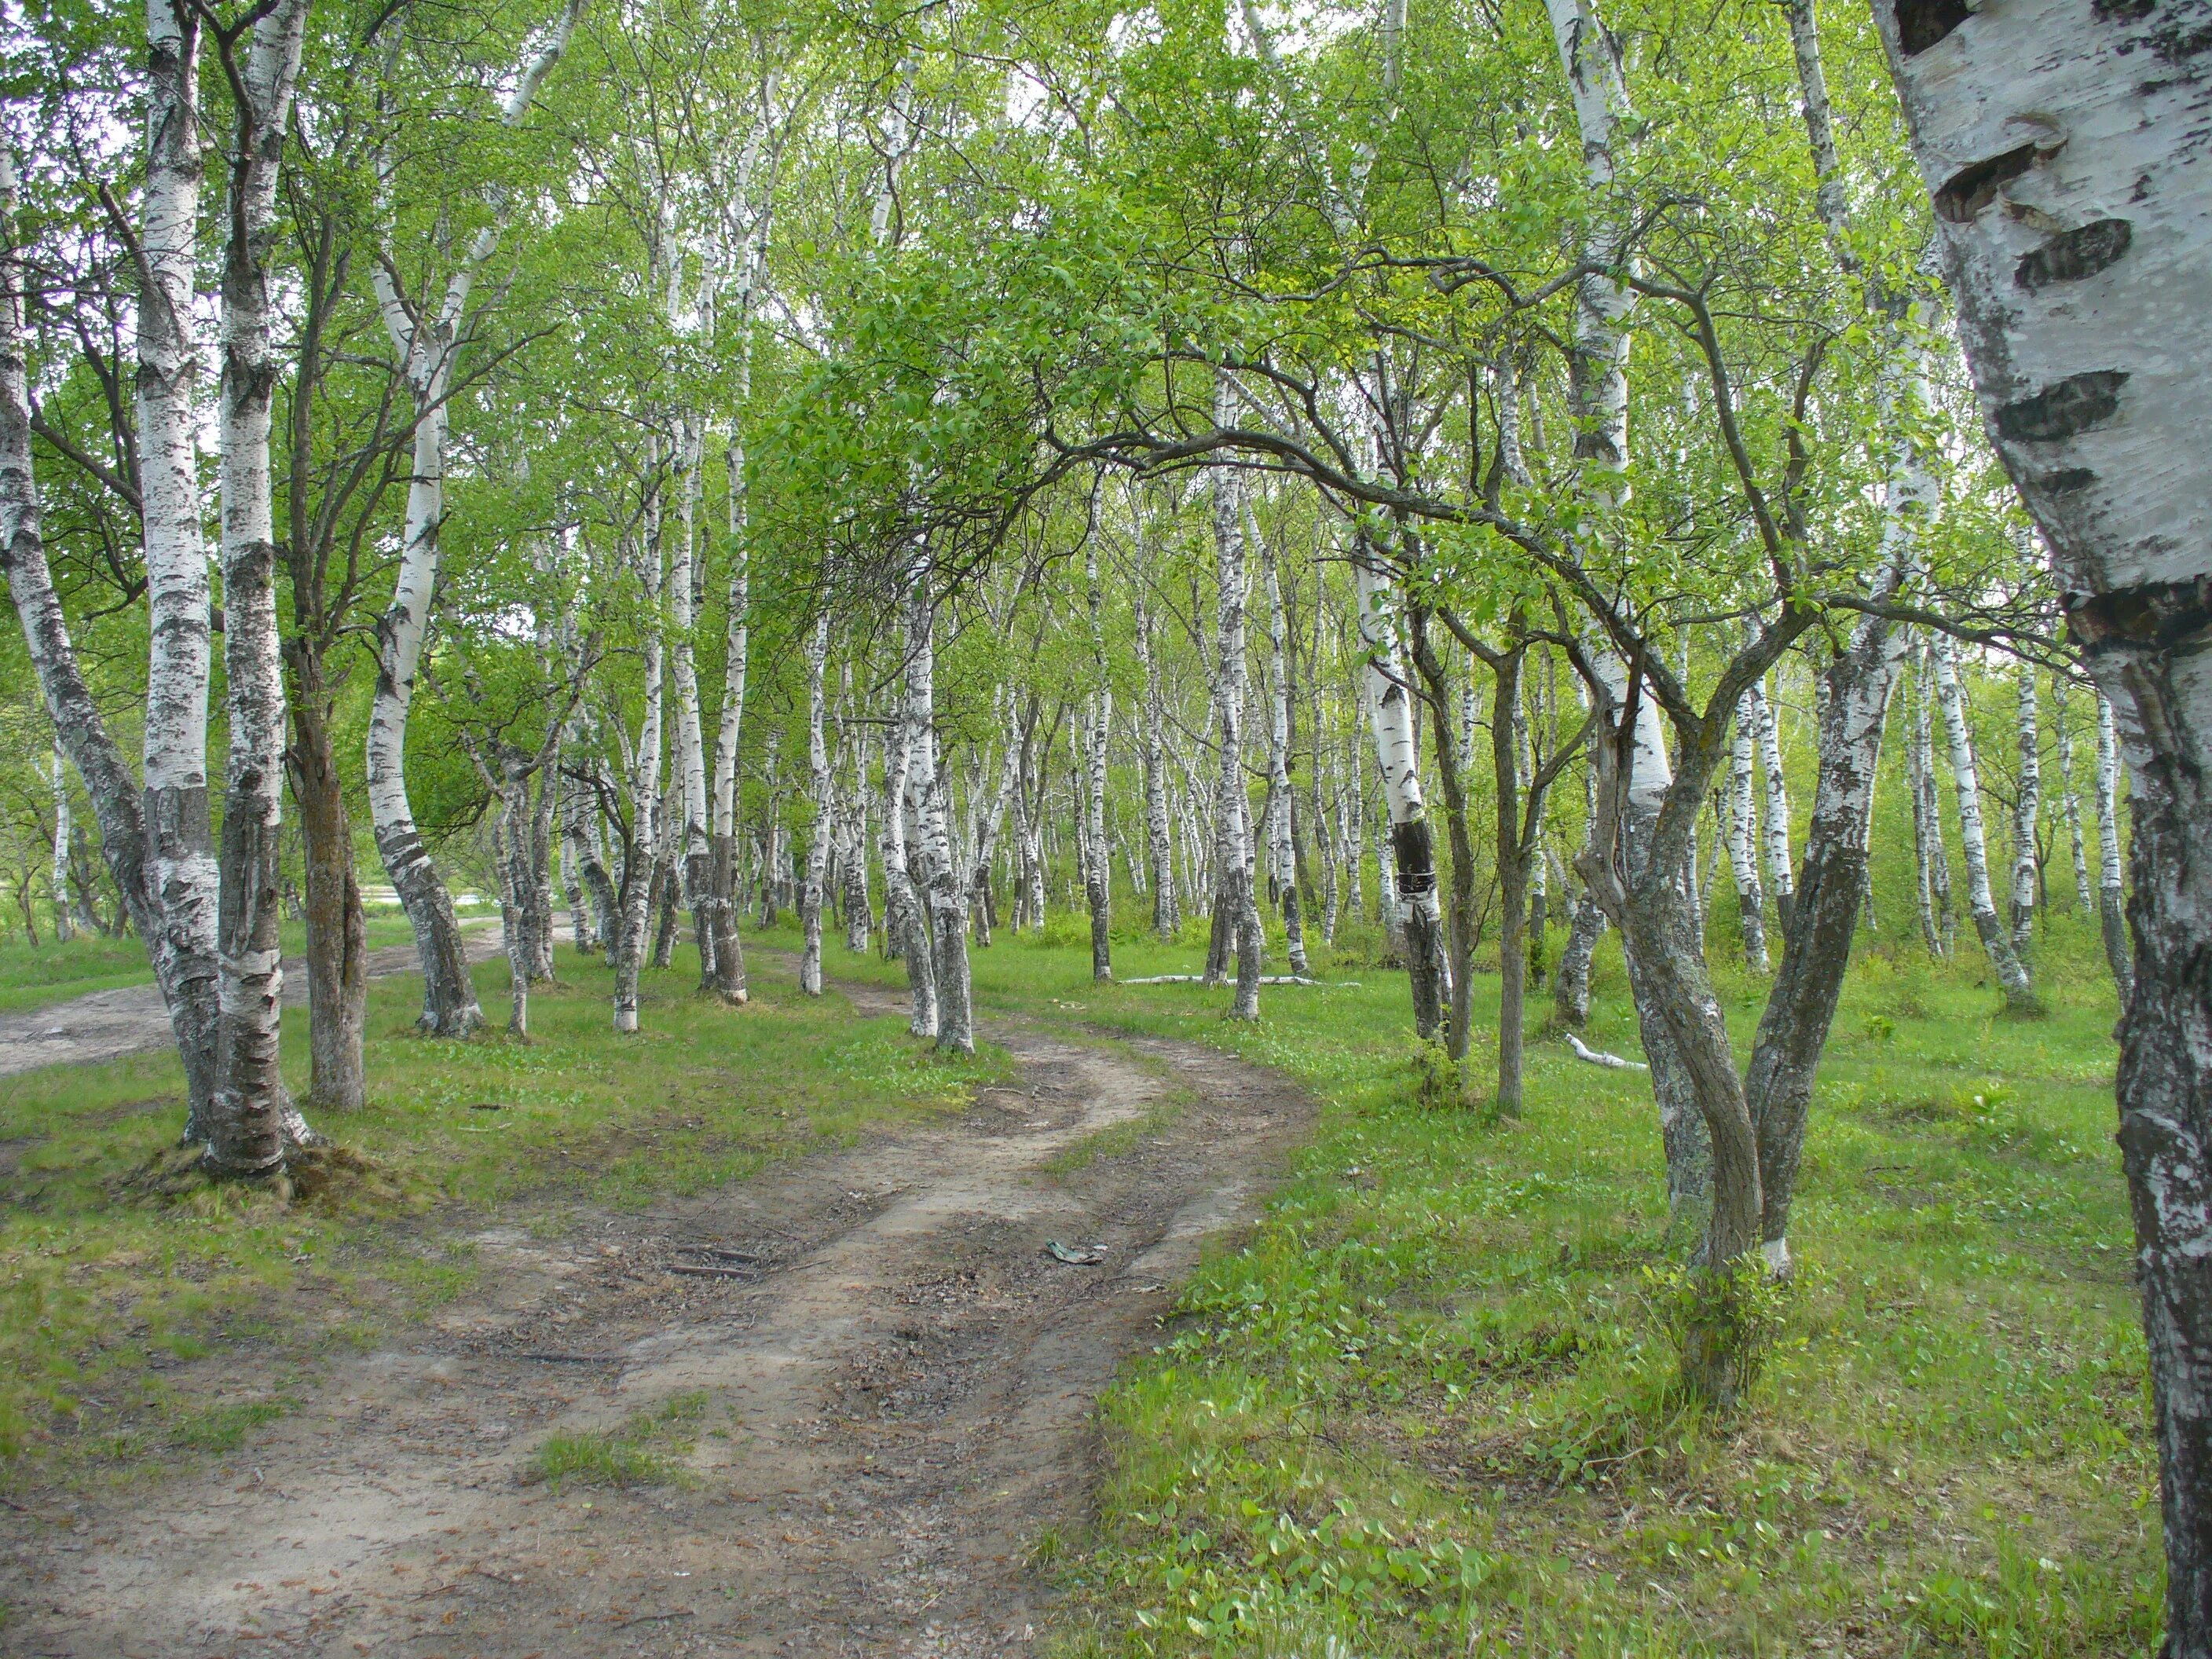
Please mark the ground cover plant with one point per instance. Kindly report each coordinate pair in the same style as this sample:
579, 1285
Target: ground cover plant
1430, 1406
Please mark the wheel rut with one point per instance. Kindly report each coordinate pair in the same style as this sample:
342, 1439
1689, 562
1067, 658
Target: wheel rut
892, 1379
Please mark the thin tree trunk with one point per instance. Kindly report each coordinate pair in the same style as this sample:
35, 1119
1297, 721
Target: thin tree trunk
1281, 854
906, 927
1237, 907
2071, 798
691, 845
2011, 972
818, 838
1774, 819
947, 913
1740, 831
1097, 864
2110, 913
2027, 811
642, 862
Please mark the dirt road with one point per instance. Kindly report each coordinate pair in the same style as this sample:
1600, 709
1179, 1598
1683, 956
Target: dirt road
109, 1025
890, 1392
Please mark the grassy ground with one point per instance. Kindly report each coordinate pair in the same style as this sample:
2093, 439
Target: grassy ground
1430, 1409
106, 1287
32, 975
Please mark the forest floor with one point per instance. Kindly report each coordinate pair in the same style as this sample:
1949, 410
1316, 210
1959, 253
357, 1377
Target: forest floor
1427, 1407
844, 1407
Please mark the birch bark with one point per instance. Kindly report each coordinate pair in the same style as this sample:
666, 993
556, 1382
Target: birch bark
948, 914
1283, 865
2027, 812
642, 858
2059, 142
2111, 916
427, 342
818, 836
1981, 903
1236, 906
180, 847
1098, 867
247, 1124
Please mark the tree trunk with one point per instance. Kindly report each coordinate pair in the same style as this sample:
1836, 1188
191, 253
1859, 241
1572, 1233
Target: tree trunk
906, 926
2110, 913
641, 860
1237, 907
690, 846
1097, 865
118, 808
947, 913
179, 838
1281, 854
338, 934
2011, 972
2027, 811
246, 1127
1740, 831
1459, 922
1390, 707
818, 838
1774, 819
2036, 128
2071, 798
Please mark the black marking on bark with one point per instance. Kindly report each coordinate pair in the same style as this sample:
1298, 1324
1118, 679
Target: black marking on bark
2074, 255
2066, 481
1416, 857
1974, 187
2123, 11
1922, 23
2174, 43
2064, 408
2152, 614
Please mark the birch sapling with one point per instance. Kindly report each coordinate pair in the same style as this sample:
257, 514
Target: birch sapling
1282, 861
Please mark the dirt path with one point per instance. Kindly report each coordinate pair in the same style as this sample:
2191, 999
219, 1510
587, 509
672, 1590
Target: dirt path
897, 1385
109, 1025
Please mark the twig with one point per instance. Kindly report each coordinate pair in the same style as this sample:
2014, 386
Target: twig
1599, 1057
655, 1618
711, 1272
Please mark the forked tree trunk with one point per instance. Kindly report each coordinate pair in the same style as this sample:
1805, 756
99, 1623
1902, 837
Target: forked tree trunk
2060, 141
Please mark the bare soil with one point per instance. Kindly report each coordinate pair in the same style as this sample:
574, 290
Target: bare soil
897, 1377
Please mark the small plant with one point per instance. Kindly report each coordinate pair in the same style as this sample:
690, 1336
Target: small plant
1723, 1323
644, 1451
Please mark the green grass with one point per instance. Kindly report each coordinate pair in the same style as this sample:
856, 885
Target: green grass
53, 971
645, 1450
105, 1286
1430, 1408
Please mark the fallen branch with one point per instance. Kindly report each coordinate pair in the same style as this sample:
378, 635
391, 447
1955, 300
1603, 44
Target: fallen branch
1599, 1057
713, 1272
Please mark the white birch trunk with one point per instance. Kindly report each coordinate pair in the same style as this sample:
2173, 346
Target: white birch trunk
818, 836
2111, 909
2060, 141
247, 1124
728, 964
1236, 906
1281, 853
948, 915
2012, 974
1098, 867
2071, 798
57, 870
644, 790
1166, 916
1774, 818
906, 924
2027, 812
694, 846
1743, 857
180, 848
